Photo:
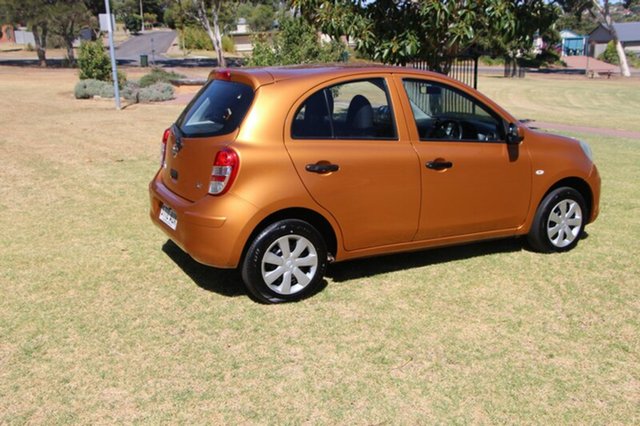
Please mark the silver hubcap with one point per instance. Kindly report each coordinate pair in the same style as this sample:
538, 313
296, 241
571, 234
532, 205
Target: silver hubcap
289, 264
564, 223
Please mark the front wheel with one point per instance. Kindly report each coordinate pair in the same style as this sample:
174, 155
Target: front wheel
559, 221
285, 262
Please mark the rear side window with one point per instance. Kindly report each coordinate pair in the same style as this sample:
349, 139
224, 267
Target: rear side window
218, 109
354, 110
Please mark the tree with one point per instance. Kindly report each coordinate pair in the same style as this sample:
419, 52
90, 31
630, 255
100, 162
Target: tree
531, 18
35, 14
296, 43
207, 14
60, 17
133, 23
401, 31
95, 6
67, 18
261, 18
124, 8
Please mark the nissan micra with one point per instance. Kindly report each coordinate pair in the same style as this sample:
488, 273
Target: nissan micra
279, 171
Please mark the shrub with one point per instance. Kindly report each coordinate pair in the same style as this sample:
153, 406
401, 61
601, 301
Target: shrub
633, 58
133, 23
228, 45
490, 61
130, 91
107, 91
610, 55
88, 88
195, 38
157, 92
263, 54
158, 75
93, 61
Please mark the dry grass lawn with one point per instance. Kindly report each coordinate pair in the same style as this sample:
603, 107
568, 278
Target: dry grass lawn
103, 321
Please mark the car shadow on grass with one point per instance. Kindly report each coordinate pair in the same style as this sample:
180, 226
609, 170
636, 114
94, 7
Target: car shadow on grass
354, 269
226, 282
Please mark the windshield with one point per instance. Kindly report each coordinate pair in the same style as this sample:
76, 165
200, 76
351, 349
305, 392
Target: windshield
218, 109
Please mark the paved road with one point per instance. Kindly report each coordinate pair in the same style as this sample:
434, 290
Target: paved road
153, 44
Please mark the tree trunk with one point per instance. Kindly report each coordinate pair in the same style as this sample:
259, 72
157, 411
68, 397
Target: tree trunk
217, 43
70, 54
69, 38
624, 66
213, 33
40, 38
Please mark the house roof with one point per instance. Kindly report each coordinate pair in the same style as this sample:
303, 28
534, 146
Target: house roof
627, 32
569, 34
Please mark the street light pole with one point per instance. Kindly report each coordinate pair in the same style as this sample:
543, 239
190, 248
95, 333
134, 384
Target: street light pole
142, 15
112, 51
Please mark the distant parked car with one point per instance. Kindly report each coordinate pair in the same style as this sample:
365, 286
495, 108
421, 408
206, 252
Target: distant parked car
279, 171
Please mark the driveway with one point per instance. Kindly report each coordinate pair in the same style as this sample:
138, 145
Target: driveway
153, 44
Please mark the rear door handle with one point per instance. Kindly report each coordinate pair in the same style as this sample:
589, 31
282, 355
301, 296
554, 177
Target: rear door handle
439, 165
321, 168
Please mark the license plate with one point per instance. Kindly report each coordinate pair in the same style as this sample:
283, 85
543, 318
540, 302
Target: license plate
169, 217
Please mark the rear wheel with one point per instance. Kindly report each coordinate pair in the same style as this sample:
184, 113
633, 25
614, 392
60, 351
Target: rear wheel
285, 262
559, 221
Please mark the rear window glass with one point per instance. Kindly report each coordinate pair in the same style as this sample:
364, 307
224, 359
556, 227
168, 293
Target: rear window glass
218, 109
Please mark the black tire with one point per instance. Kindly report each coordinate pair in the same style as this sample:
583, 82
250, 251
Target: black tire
285, 262
559, 221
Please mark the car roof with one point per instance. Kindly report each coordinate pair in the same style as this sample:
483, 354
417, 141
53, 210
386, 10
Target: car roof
266, 75
298, 71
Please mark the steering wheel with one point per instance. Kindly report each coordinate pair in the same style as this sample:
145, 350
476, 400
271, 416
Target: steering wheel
446, 129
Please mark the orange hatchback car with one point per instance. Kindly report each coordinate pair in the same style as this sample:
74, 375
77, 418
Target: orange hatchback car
279, 171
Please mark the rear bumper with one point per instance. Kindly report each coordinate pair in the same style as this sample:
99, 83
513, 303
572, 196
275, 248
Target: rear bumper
210, 230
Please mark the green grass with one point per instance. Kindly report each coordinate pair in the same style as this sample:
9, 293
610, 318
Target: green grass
575, 100
103, 321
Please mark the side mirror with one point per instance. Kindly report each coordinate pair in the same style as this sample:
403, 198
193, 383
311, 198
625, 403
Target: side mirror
515, 134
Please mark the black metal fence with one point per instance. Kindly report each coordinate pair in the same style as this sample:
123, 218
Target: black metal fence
435, 99
464, 69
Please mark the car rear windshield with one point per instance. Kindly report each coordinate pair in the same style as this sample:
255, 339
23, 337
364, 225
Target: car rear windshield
217, 110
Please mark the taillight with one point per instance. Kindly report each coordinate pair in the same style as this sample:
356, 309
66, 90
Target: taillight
163, 148
225, 168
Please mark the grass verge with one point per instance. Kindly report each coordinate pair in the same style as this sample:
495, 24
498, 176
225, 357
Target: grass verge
103, 321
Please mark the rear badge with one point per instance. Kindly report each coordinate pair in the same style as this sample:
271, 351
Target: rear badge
539, 172
198, 185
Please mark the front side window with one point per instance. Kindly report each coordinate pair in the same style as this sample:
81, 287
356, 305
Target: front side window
353, 110
444, 113
217, 110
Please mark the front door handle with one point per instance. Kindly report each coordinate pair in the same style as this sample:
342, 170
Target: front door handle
322, 168
439, 165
